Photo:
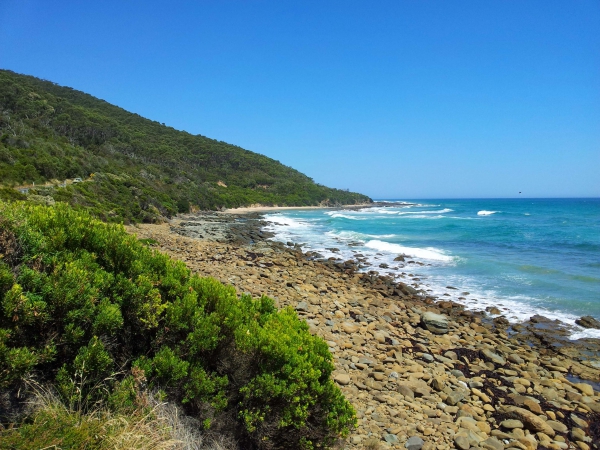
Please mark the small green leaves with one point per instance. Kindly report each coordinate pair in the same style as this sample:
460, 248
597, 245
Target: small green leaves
88, 304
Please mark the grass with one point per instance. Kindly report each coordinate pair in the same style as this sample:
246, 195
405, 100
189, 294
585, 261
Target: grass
157, 426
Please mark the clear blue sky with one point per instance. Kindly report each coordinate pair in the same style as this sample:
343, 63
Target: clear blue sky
398, 99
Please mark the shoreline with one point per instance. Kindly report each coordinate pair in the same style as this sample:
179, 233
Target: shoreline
453, 386
263, 209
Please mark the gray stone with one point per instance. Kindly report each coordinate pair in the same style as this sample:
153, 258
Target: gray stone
414, 443
454, 397
489, 355
492, 443
391, 438
462, 442
427, 358
515, 359
302, 306
436, 323
406, 391
457, 373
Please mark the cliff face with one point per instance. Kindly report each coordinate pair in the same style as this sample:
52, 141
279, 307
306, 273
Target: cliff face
132, 168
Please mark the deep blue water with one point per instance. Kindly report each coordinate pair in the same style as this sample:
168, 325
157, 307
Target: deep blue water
528, 256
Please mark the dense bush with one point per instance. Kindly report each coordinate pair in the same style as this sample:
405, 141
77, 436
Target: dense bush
98, 314
142, 169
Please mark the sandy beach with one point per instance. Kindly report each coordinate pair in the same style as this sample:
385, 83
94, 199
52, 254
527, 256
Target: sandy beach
421, 372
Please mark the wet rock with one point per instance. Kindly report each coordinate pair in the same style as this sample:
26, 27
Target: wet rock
436, 323
501, 322
588, 322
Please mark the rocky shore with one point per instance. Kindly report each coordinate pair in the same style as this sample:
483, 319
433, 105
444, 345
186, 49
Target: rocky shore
422, 373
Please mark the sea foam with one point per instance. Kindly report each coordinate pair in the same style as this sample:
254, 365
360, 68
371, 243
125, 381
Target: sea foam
486, 213
425, 253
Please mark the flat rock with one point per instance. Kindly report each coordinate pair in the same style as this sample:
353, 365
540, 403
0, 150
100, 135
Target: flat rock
349, 328
391, 439
436, 323
585, 389
515, 359
406, 391
489, 355
511, 423
558, 426
413, 443
342, 378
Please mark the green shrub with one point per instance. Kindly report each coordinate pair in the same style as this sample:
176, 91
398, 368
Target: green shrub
85, 307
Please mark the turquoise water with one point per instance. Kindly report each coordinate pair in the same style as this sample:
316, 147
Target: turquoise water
525, 256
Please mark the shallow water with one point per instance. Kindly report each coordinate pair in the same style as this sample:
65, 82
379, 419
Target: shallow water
524, 256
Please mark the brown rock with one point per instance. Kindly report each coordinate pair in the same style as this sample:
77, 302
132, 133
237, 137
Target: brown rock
530, 420
342, 379
585, 389
349, 328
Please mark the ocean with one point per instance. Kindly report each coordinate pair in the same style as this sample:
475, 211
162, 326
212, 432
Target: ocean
523, 256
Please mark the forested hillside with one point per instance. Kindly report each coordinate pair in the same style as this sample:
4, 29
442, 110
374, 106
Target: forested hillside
132, 169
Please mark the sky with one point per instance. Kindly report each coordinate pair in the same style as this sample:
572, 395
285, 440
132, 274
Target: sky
394, 99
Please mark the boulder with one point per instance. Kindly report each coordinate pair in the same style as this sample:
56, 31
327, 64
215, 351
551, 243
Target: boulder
436, 323
529, 419
588, 322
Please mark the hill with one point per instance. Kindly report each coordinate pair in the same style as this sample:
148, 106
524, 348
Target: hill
132, 169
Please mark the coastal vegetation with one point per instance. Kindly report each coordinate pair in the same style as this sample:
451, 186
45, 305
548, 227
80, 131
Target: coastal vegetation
132, 169
106, 324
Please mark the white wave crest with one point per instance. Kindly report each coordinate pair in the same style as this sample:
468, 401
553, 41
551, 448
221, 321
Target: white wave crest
356, 236
278, 219
441, 211
425, 253
336, 215
486, 213
422, 216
